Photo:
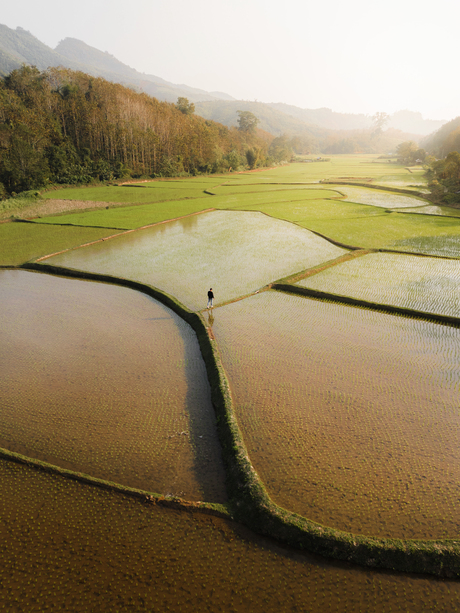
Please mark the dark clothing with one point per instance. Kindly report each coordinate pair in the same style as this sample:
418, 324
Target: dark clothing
210, 295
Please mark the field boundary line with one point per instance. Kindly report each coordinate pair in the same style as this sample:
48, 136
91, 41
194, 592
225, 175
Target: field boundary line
174, 502
249, 502
309, 272
366, 304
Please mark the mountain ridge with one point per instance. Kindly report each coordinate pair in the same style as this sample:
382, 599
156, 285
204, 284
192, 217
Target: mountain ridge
19, 47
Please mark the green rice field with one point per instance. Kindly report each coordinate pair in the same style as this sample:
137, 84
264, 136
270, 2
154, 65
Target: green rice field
138, 193
21, 242
130, 217
105, 381
235, 252
426, 234
425, 284
350, 417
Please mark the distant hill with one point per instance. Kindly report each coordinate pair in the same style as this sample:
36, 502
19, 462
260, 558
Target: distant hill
326, 118
286, 118
19, 47
406, 121
108, 67
270, 119
409, 121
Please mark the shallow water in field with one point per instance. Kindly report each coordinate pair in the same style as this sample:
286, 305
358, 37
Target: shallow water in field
72, 547
234, 252
106, 381
374, 197
433, 209
430, 285
350, 417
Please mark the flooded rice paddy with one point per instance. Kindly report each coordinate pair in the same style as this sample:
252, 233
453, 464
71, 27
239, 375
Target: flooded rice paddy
432, 209
374, 197
105, 381
431, 285
72, 547
350, 417
234, 252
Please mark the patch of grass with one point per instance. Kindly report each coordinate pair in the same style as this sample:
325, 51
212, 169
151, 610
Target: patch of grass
305, 211
399, 231
21, 242
156, 191
126, 218
18, 205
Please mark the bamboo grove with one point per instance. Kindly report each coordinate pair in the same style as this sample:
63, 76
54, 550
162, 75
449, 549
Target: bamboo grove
65, 127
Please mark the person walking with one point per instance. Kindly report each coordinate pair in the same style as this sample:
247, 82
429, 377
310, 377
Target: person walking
210, 298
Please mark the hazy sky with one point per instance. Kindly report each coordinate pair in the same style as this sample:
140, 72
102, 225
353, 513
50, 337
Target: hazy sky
356, 56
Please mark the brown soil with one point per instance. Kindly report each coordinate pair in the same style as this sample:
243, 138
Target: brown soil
54, 207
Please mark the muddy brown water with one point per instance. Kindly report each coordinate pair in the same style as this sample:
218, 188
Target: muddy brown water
72, 547
350, 417
106, 381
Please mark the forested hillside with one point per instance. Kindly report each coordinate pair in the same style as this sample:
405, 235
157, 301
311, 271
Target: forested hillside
61, 126
445, 140
444, 168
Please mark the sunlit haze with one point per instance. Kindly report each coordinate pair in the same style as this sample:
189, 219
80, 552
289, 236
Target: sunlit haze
355, 57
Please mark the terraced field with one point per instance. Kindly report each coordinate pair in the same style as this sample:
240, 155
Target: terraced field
427, 234
74, 547
234, 252
429, 285
21, 242
380, 198
434, 210
108, 382
350, 417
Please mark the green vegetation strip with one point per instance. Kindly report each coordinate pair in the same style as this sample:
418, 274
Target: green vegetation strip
386, 308
210, 508
249, 501
20, 242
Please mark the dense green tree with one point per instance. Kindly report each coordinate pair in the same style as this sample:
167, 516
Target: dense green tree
184, 106
62, 126
410, 153
281, 149
247, 121
444, 179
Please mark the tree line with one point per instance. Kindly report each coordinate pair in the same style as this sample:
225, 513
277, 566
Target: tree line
440, 156
66, 127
